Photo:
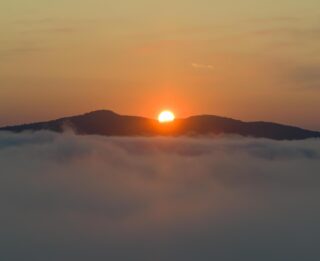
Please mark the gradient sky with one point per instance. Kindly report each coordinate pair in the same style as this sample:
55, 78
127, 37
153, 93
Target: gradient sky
251, 60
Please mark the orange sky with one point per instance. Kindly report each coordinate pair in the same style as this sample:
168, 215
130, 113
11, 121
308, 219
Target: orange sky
248, 60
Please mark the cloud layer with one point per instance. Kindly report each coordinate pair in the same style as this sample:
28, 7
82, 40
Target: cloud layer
67, 197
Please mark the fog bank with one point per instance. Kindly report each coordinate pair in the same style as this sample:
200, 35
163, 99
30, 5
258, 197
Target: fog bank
68, 197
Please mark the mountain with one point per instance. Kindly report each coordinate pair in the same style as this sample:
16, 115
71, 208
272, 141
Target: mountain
105, 122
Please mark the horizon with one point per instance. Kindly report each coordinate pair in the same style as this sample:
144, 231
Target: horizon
154, 118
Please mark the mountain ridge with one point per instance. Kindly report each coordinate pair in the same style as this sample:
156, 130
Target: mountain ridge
110, 123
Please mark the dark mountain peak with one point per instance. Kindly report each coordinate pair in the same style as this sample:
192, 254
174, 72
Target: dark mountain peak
99, 113
109, 123
209, 117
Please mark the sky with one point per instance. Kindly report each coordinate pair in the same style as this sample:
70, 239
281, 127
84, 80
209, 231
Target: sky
80, 198
250, 60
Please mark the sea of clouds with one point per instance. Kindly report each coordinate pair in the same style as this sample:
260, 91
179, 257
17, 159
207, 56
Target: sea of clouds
65, 197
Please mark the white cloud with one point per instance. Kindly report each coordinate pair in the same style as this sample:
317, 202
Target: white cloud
202, 66
67, 197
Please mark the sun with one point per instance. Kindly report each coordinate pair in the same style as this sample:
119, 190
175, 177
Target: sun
166, 116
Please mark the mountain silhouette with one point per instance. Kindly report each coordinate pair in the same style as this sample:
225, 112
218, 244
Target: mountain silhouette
109, 123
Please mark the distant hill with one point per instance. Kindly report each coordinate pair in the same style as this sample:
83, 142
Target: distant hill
108, 123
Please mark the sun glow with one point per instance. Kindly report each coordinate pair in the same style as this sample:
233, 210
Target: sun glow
166, 116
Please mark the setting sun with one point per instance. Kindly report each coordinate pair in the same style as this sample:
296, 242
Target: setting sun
166, 116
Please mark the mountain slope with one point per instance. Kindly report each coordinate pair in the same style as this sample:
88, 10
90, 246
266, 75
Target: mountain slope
108, 123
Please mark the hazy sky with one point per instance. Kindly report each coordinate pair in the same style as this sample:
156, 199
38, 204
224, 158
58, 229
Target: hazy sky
252, 60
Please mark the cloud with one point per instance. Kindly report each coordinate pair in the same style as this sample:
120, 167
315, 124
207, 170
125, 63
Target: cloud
276, 19
300, 76
307, 76
292, 33
47, 25
202, 66
67, 197
19, 50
